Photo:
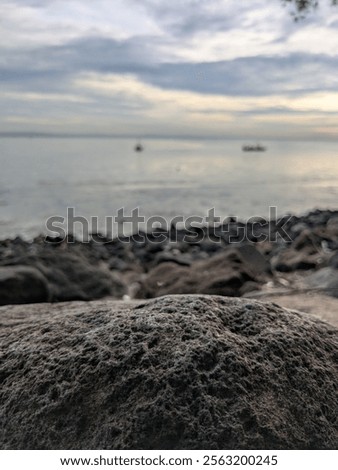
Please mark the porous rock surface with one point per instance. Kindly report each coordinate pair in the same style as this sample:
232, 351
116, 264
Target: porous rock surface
177, 372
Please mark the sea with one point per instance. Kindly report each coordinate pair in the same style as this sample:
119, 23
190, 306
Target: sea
95, 178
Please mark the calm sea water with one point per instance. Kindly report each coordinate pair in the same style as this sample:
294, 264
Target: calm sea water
41, 177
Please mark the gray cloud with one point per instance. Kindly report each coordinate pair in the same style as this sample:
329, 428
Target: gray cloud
252, 76
51, 68
189, 18
47, 67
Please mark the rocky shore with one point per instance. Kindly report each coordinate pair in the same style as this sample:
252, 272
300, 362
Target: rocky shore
293, 254
145, 369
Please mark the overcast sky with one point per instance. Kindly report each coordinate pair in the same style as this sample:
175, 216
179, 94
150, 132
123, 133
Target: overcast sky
224, 68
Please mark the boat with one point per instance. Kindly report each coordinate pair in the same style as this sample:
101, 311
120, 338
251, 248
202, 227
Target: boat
139, 147
254, 148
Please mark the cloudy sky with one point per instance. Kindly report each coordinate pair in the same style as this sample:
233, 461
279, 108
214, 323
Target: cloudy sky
214, 68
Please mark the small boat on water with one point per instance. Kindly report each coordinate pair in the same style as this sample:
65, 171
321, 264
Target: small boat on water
253, 148
139, 147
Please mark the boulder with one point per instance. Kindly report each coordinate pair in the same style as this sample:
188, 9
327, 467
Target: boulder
177, 372
306, 252
71, 276
325, 279
172, 257
291, 260
22, 284
257, 261
223, 274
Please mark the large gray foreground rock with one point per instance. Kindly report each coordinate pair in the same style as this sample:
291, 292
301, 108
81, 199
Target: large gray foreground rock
177, 372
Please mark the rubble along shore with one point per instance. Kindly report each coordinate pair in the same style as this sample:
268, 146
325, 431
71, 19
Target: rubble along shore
235, 259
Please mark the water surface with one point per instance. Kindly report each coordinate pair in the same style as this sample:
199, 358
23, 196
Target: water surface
41, 177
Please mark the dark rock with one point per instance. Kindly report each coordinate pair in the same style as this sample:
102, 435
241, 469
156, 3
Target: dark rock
319, 217
332, 225
120, 256
311, 249
145, 253
223, 274
22, 284
254, 258
179, 372
53, 240
287, 222
166, 257
71, 276
292, 260
325, 279
334, 261
298, 228
211, 247
308, 240
249, 286
118, 264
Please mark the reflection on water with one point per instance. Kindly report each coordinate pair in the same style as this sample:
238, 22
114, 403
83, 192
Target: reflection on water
42, 177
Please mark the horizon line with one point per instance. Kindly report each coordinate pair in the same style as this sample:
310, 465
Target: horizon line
96, 135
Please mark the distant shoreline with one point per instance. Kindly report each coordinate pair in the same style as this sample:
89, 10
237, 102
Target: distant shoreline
239, 138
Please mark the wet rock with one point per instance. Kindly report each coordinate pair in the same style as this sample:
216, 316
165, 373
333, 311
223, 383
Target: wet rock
306, 252
308, 240
117, 264
293, 260
179, 372
71, 276
22, 284
325, 279
173, 257
210, 247
223, 274
298, 228
254, 258
77, 270
332, 225
334, 261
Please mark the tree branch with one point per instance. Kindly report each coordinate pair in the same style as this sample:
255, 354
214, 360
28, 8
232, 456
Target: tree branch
303, 6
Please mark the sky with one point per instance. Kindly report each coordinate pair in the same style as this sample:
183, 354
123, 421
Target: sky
185, 68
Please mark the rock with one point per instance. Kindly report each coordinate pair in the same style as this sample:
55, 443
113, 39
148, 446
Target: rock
291, 260
312, 249
145, 251
318, 217
309, 241
172, 257
254, 258
71, 276
298, 228
334, 261
325, 279
178, 372
332, 225
223, 274
209, 246
22, 284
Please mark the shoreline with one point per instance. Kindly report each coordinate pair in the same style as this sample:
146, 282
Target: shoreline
235, 260
202, 370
